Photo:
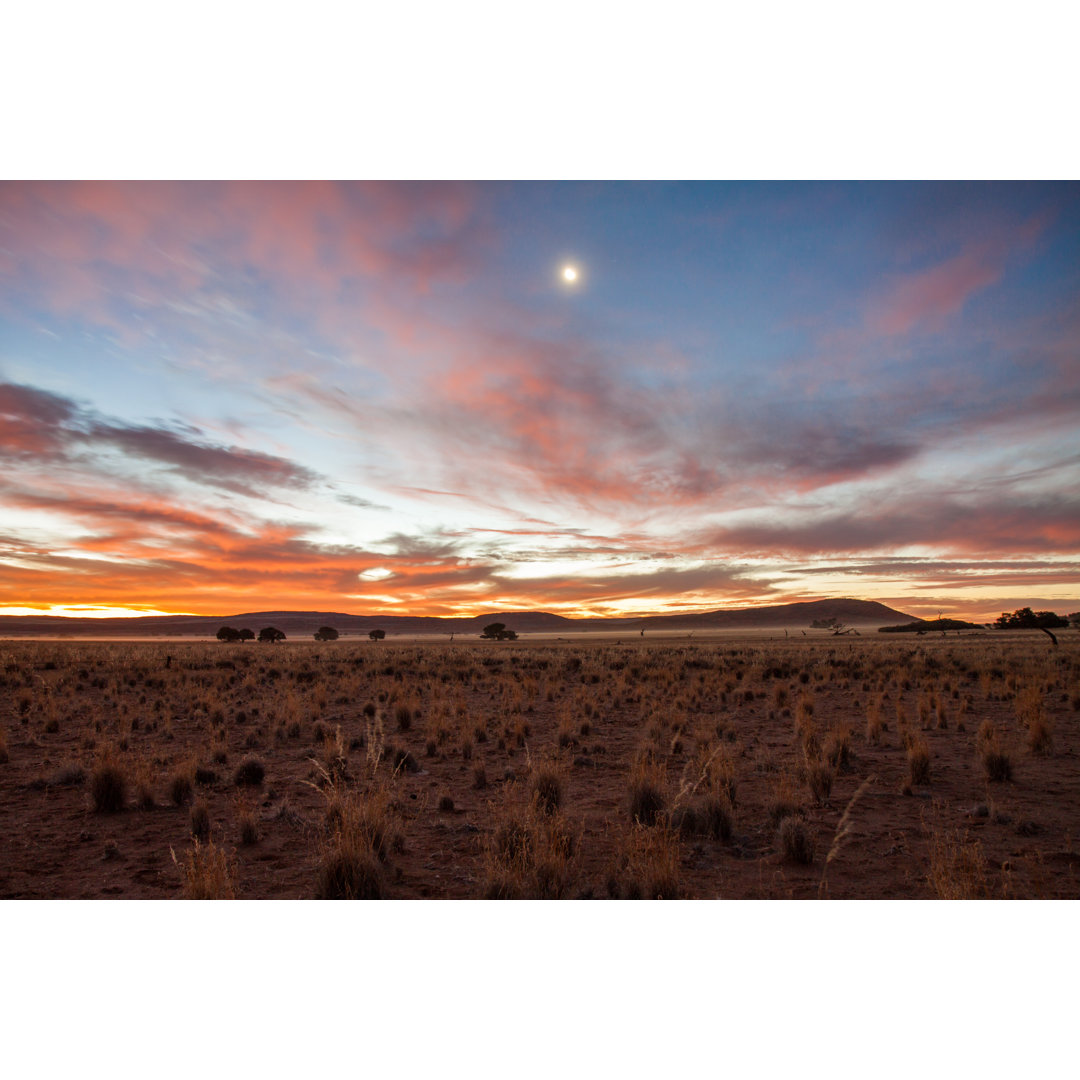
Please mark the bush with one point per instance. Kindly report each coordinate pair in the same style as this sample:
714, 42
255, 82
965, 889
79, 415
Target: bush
996, 763
795, 842
180, 787
348, 872
250, 773
709, 815
108, 786
200, 821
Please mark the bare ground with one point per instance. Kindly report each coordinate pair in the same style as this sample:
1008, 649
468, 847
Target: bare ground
733, 727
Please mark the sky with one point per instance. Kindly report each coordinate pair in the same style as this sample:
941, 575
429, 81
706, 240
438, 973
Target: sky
378, 397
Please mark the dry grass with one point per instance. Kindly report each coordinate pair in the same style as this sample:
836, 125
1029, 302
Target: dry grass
546, 782
819, 778
648, 779
205, 873
648, 865
958, 868
796, 844
918, 761
785, 800
530, 855
361, 835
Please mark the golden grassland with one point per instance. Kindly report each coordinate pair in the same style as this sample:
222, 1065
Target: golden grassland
729, 768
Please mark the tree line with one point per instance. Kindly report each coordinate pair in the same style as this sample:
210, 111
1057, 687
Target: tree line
272, 634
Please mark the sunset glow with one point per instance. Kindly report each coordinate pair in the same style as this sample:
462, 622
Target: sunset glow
225, 397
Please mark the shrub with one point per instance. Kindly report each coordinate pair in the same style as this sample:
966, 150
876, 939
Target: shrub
795, 842
996, 763
348, 872
250, 773
479, 775
200, 821
108, 786
180, 787
707, 815
401, 760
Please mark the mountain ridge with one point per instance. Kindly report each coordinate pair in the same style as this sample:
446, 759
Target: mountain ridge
850, 611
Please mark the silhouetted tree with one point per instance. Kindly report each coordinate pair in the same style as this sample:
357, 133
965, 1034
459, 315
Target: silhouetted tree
497, 631
271, 634
247, 634
1026, 619
227, 633
376, 635
326, 633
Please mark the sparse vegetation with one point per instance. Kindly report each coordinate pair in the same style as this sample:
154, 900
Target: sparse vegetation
580, 768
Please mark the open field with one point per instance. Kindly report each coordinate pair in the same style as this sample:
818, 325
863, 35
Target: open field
734, 766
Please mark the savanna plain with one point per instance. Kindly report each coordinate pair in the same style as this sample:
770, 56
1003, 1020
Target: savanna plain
733, 767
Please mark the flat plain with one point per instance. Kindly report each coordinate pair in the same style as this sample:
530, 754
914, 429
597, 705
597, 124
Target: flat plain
731, 766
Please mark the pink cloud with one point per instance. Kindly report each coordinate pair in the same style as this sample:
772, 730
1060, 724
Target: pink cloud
928, 297
79, 244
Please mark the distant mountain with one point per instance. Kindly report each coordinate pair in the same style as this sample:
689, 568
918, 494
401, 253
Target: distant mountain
302, 624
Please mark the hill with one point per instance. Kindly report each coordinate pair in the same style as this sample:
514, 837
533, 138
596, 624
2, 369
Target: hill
302, 624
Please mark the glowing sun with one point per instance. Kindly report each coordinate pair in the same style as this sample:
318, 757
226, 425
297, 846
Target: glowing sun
569, 274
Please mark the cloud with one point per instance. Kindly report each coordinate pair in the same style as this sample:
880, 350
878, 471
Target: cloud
926, 298
97, 249
35, 423
1006, 525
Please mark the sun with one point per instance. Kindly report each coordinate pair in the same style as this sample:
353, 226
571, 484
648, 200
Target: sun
569, 274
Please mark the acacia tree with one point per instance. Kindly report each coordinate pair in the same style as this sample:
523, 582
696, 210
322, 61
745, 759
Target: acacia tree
1026, 619
326, 633
246, 634
271, 634
497, 631
376, 635
228, 633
